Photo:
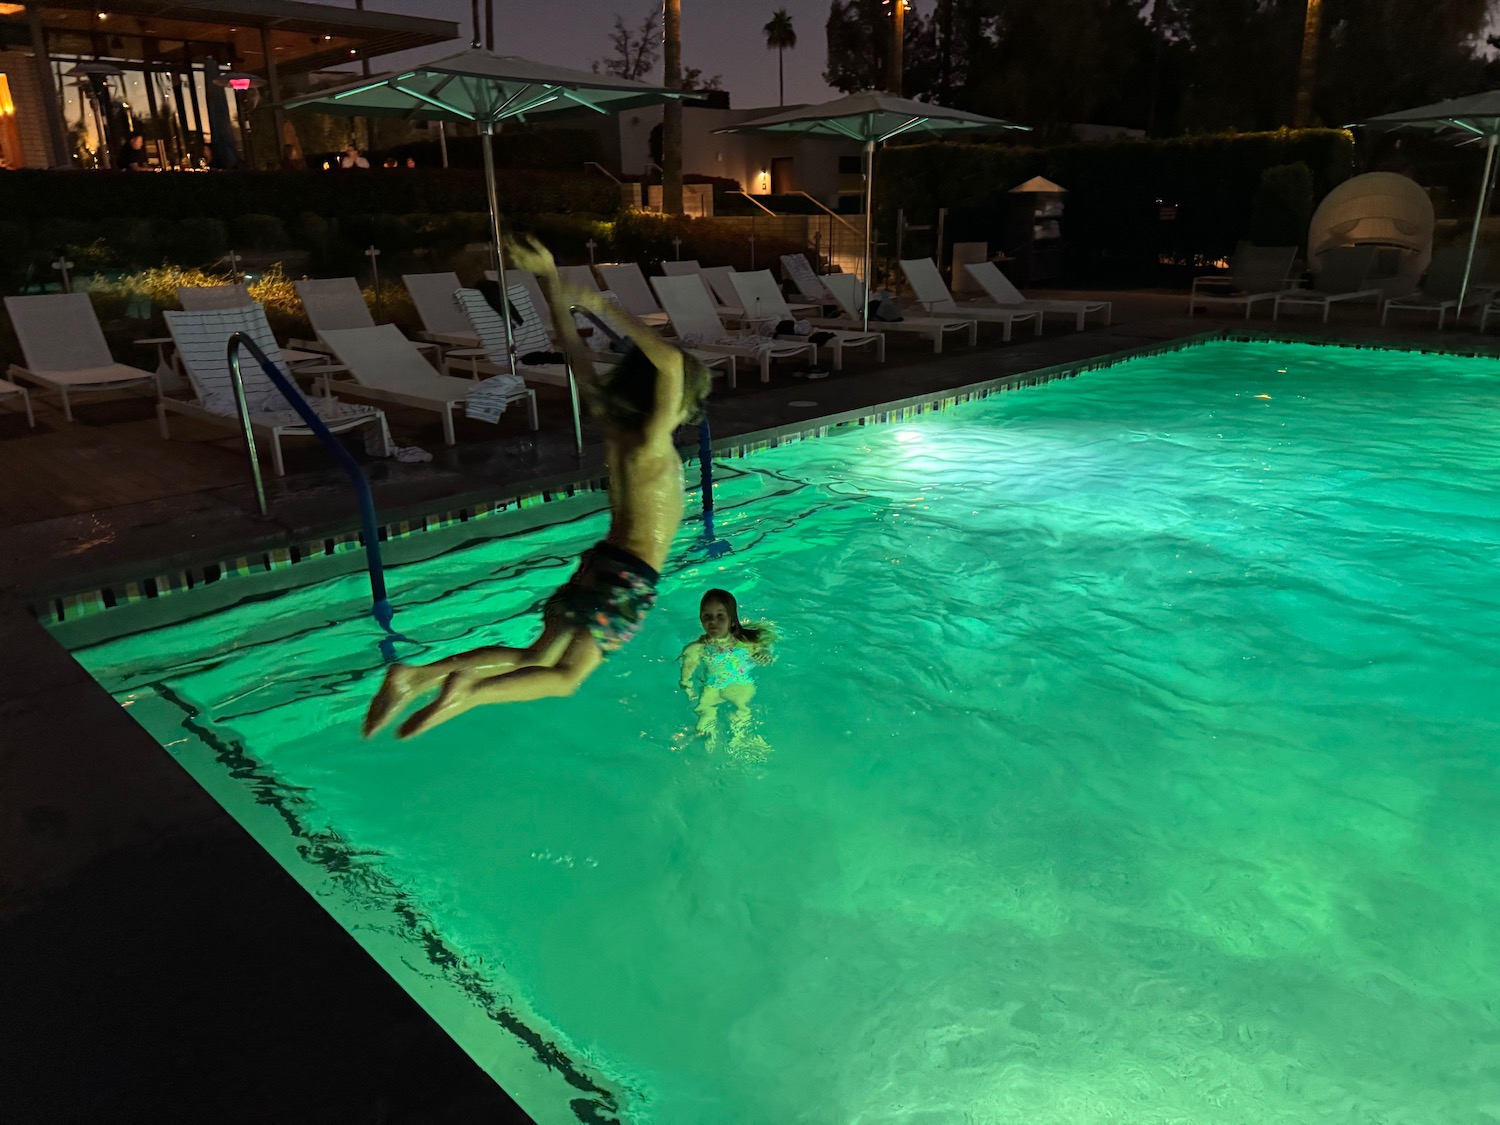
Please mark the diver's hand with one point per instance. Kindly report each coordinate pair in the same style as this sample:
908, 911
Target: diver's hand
526, 253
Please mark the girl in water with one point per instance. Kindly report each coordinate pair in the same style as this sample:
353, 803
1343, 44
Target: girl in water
726, 654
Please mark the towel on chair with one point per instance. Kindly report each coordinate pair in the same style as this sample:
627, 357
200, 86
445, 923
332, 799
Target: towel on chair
488, 400
756, 345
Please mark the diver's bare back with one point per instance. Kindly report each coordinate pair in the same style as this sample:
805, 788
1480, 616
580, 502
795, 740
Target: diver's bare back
645, 499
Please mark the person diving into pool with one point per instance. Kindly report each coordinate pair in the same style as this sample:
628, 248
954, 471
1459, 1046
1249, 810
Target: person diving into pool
655, 388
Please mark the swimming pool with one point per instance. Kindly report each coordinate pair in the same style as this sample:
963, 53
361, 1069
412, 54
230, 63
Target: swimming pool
1134, 758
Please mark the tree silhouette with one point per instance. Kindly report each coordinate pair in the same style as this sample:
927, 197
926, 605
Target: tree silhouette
633, 54
779, 36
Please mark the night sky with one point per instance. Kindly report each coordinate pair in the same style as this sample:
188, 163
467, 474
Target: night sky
718, 36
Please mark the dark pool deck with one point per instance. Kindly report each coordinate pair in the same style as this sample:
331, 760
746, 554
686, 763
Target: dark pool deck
155, 963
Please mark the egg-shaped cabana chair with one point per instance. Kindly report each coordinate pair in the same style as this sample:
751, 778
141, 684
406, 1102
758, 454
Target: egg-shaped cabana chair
1383, 210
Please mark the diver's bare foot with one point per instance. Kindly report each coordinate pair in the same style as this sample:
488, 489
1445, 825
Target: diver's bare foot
456, 697
402, 681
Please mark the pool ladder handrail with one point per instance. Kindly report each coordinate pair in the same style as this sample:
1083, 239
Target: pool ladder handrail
380, 607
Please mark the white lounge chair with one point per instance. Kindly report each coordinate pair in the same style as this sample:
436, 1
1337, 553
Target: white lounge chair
1342, 278
202, 340
529, 336
999, 289
386, 373
848, 292
13, 390
491, 330
580, 277
932, 294
1256, 273
681, 269
335, 303
197, 298
201, 298
698, 326
443, 322
1439, 290
727, 298
797, 269
626, 281
65, 350
761, 298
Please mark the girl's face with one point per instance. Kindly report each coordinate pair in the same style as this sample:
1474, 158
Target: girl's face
715, 619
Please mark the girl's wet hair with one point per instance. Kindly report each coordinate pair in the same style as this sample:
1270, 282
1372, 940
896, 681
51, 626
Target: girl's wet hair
737, 629
626, 395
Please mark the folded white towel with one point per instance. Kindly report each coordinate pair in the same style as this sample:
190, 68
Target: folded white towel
488, 400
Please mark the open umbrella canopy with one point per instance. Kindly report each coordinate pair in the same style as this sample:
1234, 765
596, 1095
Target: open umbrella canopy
481, 86
1476, 114
871, 116
488, 89
1473, 117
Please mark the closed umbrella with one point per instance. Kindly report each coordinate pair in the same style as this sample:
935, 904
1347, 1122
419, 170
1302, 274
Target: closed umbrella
485, 88
871, 118
226, 152
1472, 118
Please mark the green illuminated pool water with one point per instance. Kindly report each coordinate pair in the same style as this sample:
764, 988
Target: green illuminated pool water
1135, 760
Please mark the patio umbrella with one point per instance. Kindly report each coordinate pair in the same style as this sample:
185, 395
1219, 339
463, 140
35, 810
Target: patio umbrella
1475, 118
485, 88
871, 118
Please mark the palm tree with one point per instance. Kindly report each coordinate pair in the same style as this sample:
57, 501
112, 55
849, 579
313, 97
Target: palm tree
780, 34
1307, 70
671, 111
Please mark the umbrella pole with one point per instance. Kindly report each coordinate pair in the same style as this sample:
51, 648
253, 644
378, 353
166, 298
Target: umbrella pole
1484, 199
486, 137
869, 231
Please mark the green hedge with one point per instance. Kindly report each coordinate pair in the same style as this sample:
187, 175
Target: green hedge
1118, 193
96, 196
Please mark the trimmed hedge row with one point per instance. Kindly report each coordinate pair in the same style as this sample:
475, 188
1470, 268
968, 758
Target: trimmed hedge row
28, 195
1132, 206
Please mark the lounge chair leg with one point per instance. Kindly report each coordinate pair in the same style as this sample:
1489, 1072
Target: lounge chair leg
1327, 308
30, 417
276, 461
937, 342
448, 424
1005, 333
765, 367
880, 347
973, 333
161, 421
838, 353
67, 408
536, 423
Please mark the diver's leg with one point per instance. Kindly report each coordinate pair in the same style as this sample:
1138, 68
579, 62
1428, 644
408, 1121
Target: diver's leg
405, 682
463, 691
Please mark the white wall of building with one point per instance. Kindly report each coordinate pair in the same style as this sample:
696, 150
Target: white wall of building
813, 162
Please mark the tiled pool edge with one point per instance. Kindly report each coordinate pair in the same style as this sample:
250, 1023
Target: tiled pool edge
55, 607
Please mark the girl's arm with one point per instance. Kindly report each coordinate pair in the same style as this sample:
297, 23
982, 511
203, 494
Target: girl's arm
763, 651
692, 656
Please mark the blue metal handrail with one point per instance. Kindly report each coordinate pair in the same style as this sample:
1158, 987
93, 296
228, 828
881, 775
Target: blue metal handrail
380, 607
716, 546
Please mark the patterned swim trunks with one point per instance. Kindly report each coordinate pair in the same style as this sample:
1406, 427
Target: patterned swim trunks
609, 594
